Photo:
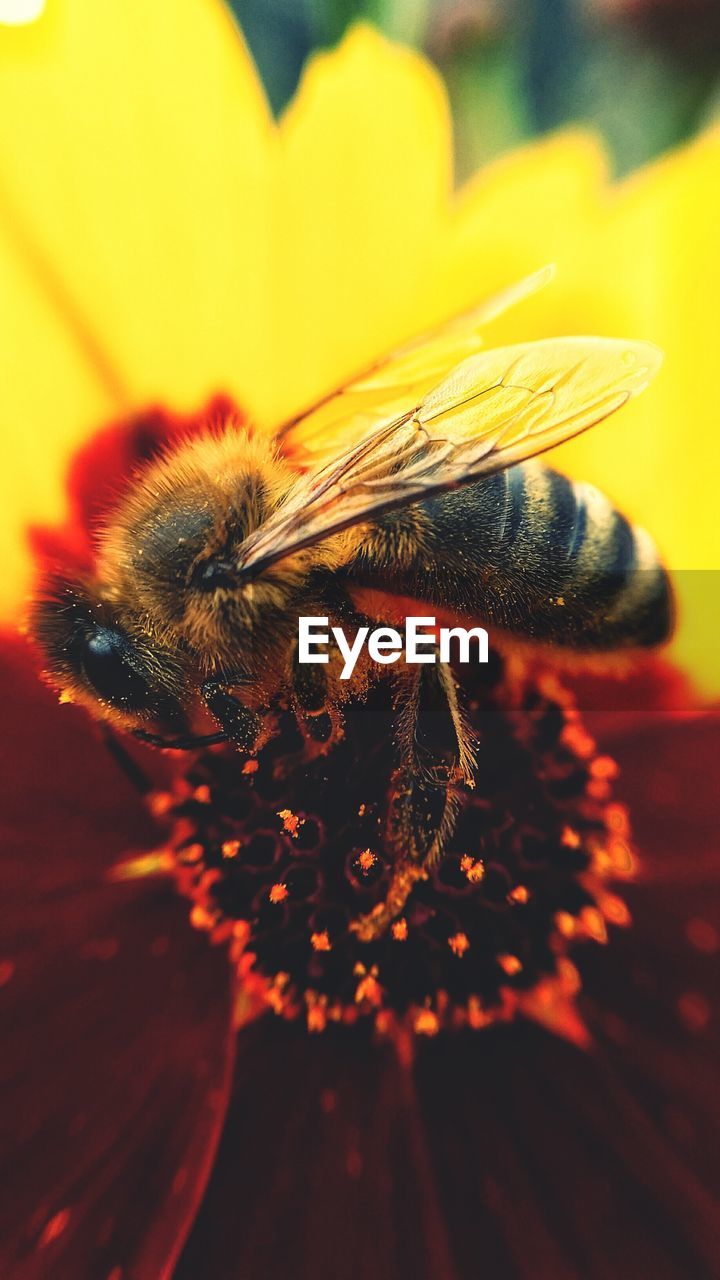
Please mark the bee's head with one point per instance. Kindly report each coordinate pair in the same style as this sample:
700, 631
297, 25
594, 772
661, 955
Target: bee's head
120, 675
170, 550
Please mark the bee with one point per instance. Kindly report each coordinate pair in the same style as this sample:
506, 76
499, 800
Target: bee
419, 479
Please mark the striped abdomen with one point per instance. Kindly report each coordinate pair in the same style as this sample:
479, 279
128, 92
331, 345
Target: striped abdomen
529, 551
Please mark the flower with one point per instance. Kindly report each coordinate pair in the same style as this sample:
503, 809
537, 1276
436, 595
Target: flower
195, 249
118, 1066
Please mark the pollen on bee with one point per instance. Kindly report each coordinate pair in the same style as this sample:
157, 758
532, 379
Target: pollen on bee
320, 940
509, 964
278, 893
474, 870
459, 943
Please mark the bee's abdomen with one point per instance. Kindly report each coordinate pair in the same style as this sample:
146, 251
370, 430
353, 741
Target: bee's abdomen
530, 551
588, 577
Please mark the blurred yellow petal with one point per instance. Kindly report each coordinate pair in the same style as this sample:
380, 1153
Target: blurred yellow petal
52, 391
133, 163
522, 211
363, 189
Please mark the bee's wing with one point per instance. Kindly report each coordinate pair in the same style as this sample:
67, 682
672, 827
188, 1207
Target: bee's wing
402, 378
495, 409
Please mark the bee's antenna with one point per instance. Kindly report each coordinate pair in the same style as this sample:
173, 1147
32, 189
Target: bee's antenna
132, 770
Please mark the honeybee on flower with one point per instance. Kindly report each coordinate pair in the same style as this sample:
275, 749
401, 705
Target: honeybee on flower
419, 483
162, 245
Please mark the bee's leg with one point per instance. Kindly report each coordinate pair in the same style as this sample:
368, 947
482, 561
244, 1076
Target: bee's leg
437, 755
315, 687
312, 701
242, 725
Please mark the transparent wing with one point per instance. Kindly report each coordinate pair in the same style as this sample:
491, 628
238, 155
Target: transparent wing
497, 408
341, 419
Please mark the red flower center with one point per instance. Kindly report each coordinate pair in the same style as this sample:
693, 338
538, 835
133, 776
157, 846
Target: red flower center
281, 858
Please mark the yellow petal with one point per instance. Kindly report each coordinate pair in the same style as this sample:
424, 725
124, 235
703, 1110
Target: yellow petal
363, 189
521, 212
134, 157
52, 392
134, 149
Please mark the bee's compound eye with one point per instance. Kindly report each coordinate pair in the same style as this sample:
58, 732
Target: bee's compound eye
108, 666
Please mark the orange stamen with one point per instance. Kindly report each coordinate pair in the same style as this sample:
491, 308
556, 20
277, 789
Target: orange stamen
520, 894
426, 1023
291, 822
459, 943
475, 871
367, 860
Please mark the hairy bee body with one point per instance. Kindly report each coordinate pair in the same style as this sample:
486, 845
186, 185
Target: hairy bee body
187, 631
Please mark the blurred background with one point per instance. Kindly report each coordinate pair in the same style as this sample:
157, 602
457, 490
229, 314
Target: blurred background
646, 73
